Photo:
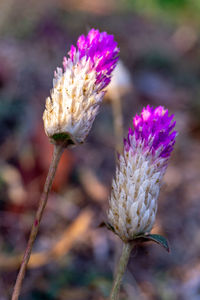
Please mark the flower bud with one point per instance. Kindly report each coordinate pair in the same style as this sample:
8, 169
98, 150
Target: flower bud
79, 87
136, 186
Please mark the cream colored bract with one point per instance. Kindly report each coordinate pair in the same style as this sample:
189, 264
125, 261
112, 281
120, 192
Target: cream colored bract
74, 102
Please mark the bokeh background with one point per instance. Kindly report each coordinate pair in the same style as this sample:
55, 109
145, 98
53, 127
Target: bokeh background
73, 258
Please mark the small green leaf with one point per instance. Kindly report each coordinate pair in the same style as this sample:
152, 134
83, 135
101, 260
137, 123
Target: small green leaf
62, 137
159, 239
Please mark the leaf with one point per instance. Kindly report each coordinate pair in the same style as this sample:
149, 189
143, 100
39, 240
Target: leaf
62, 137
159, 239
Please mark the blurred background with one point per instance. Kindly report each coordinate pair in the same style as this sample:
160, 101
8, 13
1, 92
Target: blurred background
73, 257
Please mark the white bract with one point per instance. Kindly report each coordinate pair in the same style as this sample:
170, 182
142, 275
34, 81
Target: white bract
74, 101
135, 190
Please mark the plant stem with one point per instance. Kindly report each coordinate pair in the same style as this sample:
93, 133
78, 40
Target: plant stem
127, 247
58, 150
118, 122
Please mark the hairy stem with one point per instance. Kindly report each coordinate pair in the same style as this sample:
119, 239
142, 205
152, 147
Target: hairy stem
127, 247
58, 150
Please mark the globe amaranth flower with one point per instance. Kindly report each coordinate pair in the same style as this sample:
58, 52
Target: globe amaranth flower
79, 87
135, 189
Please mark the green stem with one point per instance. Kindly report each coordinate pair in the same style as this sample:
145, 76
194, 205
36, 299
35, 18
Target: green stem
127, 247
58, 150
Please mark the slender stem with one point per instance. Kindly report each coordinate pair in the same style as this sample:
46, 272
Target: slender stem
127, 247
58, 150
118, 121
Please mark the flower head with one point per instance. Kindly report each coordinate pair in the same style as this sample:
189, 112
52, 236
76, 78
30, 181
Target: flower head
78, 88
135, 189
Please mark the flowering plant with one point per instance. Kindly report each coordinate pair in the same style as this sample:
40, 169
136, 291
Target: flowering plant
135, 189
77, 92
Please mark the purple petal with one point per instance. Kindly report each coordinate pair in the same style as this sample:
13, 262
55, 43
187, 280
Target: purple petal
154, 128
102, 51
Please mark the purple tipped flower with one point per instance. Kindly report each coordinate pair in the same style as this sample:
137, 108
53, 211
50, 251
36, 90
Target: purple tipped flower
153, 130
135, 189
101, 50
79, 89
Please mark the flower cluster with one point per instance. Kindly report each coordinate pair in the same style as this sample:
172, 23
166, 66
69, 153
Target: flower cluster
78, 88
135, 189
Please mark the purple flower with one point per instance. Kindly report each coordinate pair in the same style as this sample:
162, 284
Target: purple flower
78, 90
153, 129
101, 50
139, 173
